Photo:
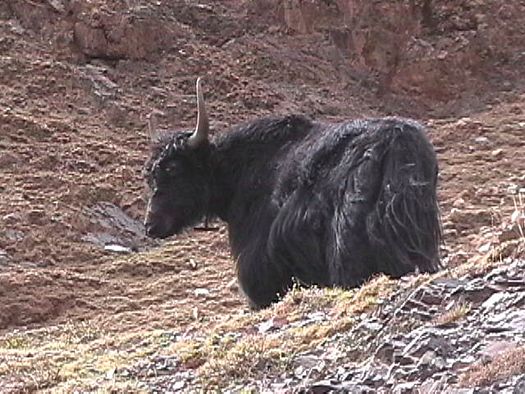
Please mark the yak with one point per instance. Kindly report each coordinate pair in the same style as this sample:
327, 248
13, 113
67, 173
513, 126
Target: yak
305, 202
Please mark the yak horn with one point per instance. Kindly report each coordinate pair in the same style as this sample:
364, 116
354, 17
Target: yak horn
203, 126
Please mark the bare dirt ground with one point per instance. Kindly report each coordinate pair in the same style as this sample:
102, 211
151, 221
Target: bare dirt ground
78, 79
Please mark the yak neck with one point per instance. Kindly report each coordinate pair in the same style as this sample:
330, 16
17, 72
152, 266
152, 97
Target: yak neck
244, 160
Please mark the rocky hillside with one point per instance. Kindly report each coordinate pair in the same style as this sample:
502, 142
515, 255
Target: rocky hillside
87, 302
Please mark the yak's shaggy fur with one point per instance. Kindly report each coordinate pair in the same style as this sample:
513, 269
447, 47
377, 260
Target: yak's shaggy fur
326, 204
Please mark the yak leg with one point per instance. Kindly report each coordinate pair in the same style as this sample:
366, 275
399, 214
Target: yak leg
296, 239
262, 281
352, 259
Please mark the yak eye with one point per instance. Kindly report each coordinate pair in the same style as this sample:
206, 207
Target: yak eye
171, 169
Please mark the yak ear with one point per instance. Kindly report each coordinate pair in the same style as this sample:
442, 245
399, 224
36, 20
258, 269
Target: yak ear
154, 134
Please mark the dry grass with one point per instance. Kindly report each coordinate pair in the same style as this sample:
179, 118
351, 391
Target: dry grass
501, 367
515, 247
69, 356
453, 315
235, 350
82, 356
246, 359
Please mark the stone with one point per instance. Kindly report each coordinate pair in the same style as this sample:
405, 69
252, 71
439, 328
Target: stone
4, 257
428, 339
404, 388
519, 387
117, 248
459, 203
385, 352
200, 292
8, 160
481, 140
494, 300
14, 235
272, 324
426, 358
497, 152
516, 320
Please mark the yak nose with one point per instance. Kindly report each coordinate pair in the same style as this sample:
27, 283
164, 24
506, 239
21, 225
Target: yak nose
150, 228
156, 229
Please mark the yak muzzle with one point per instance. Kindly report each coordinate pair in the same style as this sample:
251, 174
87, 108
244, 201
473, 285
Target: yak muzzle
155, 230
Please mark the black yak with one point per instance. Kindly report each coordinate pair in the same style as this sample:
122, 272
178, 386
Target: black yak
323, 204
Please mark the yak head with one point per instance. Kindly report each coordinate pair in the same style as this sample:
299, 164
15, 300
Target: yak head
178, 174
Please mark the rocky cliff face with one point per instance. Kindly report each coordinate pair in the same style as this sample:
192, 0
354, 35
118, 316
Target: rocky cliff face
422, 50
437, 49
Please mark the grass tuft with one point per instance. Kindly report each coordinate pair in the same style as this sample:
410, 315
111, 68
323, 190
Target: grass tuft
453, 315
500, 367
